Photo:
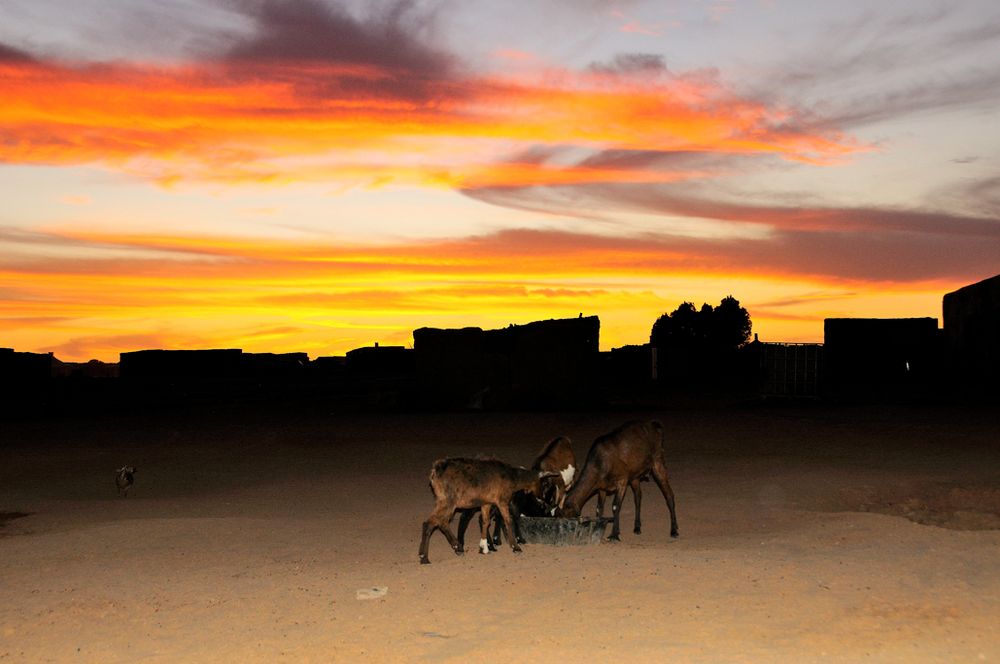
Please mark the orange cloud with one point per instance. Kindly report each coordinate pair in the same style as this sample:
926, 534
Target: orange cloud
236, 121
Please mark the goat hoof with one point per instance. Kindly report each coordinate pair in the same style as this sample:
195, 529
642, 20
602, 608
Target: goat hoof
521, 540
425, 560
637, 531
614, 538
674, 533
496, 541
517, 549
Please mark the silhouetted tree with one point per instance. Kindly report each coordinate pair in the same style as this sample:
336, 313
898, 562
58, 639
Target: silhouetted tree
701, 342
730, 326
679, 329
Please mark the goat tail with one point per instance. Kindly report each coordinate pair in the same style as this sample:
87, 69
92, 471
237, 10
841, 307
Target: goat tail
657, 426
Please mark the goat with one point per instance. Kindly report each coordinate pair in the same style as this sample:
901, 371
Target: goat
620, 459
124, 479
488, 484
557, 459
557, 456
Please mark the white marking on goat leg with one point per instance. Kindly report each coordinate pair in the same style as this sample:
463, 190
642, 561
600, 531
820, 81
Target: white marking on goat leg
554, 510
484, 546
567, 474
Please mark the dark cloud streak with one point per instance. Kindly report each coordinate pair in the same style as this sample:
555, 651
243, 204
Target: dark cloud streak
677, 200
385, 48
849, 242
841, 78
828, 255
309, 30
631, 63
11, 54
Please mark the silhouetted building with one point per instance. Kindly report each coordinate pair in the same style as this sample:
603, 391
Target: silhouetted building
972, 330
886, 357
541, 363
628, 373
25, 380
455, 365
168, 366
274, 367
329, 367
6, 364
24, 368
372, 362
630, 364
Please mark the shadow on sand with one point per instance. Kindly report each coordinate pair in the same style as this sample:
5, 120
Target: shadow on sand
6, 517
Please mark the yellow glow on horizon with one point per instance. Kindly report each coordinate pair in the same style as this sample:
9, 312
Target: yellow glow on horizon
283, 297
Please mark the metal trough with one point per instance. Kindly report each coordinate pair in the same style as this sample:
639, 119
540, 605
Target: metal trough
562, 532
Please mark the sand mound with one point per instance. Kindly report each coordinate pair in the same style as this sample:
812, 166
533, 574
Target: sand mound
940, 504
6, 517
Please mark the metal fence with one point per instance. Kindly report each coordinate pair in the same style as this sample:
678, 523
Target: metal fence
792, 370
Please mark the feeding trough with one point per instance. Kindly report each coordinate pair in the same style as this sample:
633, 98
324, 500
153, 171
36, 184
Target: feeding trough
557, 531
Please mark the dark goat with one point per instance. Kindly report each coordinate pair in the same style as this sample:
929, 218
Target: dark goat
558, 461
620, 459
124, 479
463, 484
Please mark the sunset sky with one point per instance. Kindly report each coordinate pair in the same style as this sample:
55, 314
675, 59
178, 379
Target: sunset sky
319, 175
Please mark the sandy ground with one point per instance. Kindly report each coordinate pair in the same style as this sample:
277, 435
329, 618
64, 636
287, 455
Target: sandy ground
248, 536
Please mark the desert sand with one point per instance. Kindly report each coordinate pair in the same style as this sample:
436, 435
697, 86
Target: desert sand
807, 534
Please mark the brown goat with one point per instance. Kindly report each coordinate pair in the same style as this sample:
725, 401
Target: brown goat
556, 459
620, 459
557, 456
462, 484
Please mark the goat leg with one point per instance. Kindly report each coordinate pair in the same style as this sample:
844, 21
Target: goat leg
484, 529
515, 514
616, 510
425, 538
508, 526
637, 496
660, 476
464, 517
496, 540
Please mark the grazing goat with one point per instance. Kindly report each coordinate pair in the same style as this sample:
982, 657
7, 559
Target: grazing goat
620, 459
557, 456
556, 459
124, 479
462, 484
